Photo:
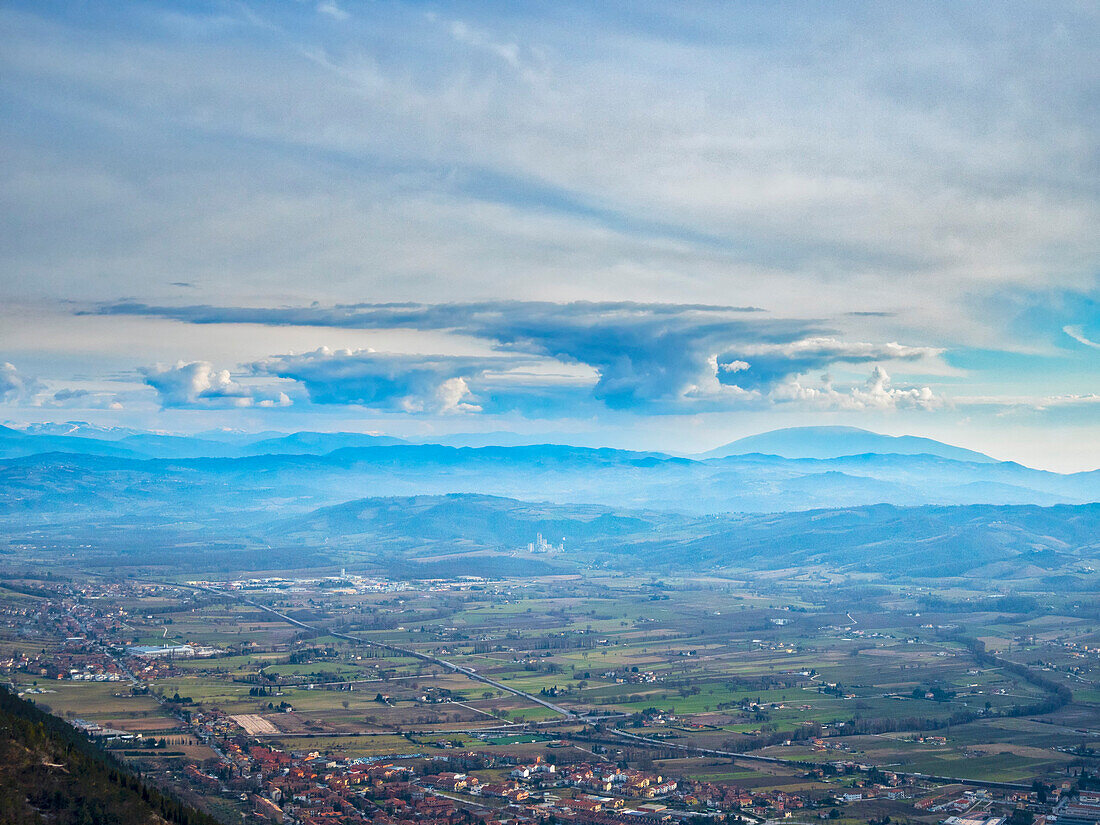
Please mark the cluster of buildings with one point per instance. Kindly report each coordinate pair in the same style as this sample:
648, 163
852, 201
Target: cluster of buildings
345, 583
541, 545
92, 629
152, 670
974, 820
1082, 810
1081, 649
351, 582
90, 623
98, 731
603, 778
964, 805
213, 725
76, 657
172, 651
79, 664
100, 669
982, 806
632, 676
309, 788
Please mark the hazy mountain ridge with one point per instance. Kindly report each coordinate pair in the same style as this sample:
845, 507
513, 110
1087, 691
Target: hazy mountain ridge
393, 532
84, 439
479, 520
15, 443
926, 541
835, 442
65, 482
922, 541
795, 442
879, 512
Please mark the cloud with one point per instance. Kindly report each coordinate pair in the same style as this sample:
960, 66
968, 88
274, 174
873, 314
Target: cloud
467, 35
878, 394
452, 396
66, 395
1089, 402
818, 160
199, 384
79, 398
1090, 399
766, 365
329, 7
389, 381
901, 160
644, 356
465, 317
1078, 335
875, 394
17, 387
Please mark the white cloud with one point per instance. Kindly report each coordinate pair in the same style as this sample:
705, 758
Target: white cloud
1007, 404
452, 395
646, 357
17, 387
1078, 335
466, 34
407, 383
330, 8
837, 350
875, 394
878, 394
732, 366
199, 384
280, 400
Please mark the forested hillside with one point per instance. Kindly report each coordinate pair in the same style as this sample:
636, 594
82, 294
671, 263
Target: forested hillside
51, 773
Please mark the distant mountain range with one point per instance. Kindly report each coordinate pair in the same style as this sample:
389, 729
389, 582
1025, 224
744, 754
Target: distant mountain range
836, 442
913, 505
84, 439
64, 474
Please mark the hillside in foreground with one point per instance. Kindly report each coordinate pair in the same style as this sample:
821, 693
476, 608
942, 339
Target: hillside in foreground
49, 772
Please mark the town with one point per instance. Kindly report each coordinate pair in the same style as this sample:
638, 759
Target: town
343, 698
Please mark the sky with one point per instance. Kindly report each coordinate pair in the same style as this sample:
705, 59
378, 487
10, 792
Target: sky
656, 226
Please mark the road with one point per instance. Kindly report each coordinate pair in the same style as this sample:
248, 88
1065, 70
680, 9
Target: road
135, 681
955, 780
568, 714
404, 651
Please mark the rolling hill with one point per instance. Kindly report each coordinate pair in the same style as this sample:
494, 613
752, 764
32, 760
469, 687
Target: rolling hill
835, 442
273, 497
